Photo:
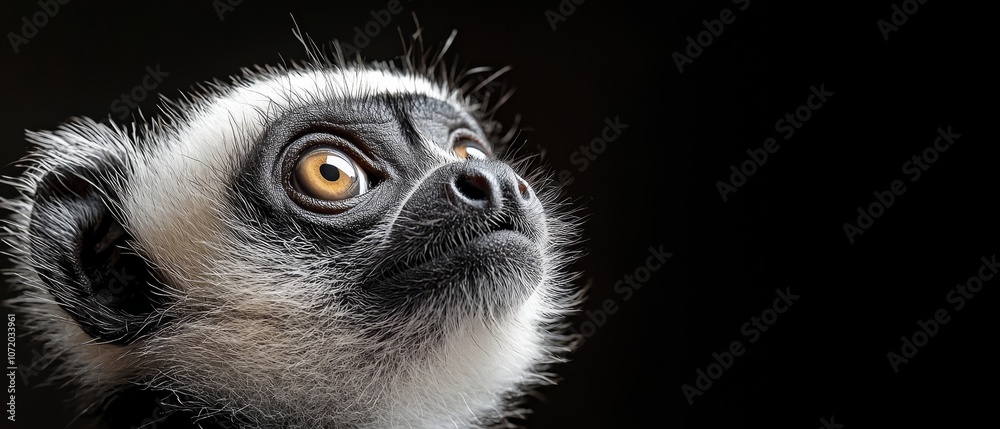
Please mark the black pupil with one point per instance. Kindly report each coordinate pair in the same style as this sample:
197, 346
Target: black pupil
329, 172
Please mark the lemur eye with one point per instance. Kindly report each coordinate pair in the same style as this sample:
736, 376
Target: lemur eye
468, 148
328, 174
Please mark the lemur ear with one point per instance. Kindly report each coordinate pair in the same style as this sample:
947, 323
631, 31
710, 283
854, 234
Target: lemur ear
84, 256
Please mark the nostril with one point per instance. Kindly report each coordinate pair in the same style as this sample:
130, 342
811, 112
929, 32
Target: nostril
474, 187
523, 189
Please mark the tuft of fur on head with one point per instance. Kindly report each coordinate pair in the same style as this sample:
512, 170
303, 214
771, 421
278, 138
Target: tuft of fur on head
248, 333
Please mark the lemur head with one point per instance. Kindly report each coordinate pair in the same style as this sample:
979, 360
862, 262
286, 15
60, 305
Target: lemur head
330, 244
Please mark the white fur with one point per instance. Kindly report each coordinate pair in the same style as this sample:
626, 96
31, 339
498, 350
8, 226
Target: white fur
247, 334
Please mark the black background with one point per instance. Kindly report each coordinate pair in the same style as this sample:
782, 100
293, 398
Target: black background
655, 184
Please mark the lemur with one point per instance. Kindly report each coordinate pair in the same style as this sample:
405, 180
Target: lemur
334, 243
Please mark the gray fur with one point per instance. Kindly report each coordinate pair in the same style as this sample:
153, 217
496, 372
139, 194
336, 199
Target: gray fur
249, 330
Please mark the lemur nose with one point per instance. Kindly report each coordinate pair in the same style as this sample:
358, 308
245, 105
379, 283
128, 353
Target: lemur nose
480, 187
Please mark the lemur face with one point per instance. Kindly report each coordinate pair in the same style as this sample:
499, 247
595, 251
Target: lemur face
326, 246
